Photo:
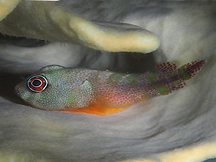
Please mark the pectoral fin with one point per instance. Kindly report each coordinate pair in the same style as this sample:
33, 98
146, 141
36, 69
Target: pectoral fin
90, 104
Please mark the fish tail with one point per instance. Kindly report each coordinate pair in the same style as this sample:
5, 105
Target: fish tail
188, 70
170, 78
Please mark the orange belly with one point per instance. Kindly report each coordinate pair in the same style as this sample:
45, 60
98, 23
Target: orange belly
99, 108
102, 111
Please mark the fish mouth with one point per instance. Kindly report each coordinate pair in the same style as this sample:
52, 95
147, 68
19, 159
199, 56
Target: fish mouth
17, 89
17, 92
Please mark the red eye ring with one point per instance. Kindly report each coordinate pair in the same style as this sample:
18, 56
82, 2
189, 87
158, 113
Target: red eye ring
37, 83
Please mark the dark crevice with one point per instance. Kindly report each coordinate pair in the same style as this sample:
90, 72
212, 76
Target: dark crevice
21, 41
8, 82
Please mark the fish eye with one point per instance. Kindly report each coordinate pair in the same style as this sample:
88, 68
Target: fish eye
37, 83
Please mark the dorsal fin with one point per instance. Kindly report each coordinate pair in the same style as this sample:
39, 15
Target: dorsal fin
51, 67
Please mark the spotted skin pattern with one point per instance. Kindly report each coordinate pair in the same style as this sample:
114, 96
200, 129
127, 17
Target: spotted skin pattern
102, 92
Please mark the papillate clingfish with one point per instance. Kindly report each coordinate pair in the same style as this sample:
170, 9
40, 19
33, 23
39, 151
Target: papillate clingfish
98, 92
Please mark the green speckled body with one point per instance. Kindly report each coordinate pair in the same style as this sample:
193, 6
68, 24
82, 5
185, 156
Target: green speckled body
72, 88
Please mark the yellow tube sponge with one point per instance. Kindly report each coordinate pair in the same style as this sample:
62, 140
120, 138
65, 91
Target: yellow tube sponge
49, 21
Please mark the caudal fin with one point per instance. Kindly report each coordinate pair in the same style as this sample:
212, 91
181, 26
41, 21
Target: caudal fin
188, 70
169, 78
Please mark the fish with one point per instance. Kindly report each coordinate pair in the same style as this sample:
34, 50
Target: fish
97, 92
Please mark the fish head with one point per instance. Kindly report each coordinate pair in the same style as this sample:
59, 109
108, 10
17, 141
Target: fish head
55, 88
